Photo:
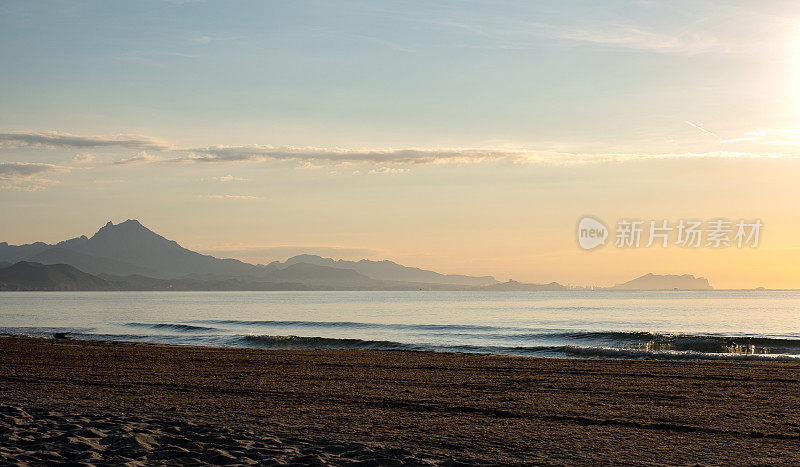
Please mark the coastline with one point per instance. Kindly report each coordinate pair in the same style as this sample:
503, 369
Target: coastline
397, 406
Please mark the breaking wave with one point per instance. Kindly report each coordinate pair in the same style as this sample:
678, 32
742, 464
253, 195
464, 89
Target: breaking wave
352, 324
464, 338
621, 353
720, 351
171, 327
298, 342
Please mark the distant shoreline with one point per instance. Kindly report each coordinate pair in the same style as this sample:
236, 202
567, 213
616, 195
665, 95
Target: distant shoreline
599, 290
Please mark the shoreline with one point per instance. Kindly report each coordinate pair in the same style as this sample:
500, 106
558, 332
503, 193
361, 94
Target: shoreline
313, 290
556, 352
425, 407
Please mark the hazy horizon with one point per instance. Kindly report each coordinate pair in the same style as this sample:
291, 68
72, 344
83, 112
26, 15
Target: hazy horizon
465, 138
144, 232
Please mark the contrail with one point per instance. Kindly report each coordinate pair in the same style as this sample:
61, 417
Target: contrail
702, 129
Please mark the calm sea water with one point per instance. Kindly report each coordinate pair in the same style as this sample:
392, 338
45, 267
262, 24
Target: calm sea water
675, 325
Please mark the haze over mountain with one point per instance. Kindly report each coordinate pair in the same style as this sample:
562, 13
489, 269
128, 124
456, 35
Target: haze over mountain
25, 276
389, 271
129, 256
513, 285
129, 253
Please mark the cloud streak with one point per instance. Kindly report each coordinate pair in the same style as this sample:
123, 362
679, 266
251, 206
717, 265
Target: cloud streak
779, 137
387, 170
633, 37
52, 139
27, 176
234, 197
514, 34
315, 157
229, 178
698, 127
141, 158
83, 158
383, 160
260, 153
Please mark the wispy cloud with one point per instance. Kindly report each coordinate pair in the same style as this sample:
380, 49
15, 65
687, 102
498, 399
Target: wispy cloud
387, 160
229, 178
670, 28
52, 139
633, 37
698, 127
83, 158
519, 34
141, 158
779, 137
387, 170
27, 175
234, 197
251, 153
376, 40
204, 39
313, 157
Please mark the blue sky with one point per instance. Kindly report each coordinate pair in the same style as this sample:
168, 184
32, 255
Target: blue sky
578, 74
355, 120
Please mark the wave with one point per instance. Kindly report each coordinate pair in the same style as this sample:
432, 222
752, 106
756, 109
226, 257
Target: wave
639, 345
673, 342
353, 324
559, 351
171, 326
628, 340
573, 351
617, 353
298, 342
443, 337
33, 331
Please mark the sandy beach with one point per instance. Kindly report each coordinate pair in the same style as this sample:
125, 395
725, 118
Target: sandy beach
112, 402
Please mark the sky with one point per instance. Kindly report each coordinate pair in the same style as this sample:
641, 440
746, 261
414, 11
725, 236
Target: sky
466, 137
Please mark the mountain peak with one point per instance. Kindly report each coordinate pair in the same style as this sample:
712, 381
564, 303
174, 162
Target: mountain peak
130, 225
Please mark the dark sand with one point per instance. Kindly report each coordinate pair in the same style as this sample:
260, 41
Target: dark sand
116, 402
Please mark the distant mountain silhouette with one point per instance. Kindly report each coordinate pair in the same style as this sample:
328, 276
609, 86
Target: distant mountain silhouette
313, 274
15, 253
89, 263
665, 282
131, 243
390, 271
135, 256
25, 276
129, 256
513, 285
136, 282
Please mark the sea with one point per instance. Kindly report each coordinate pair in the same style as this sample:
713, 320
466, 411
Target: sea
704, 325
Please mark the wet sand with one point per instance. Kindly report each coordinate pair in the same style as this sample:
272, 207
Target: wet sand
98, 402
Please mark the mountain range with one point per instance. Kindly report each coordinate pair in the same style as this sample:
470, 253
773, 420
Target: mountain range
25, 276
129, 256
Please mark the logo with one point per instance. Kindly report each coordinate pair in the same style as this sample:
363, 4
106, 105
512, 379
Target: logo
685, 233
591, 233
